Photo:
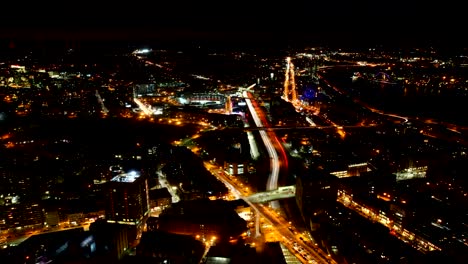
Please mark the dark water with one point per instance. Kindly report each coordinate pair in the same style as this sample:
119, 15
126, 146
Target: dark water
449, 104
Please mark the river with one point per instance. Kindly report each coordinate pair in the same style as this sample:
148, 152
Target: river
425, 97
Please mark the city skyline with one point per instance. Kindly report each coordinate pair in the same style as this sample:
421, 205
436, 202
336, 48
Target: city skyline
173, 132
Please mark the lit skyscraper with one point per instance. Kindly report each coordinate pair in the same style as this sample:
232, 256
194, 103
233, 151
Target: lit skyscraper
127, 198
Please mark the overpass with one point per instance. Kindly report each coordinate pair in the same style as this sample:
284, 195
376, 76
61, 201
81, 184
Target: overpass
271, 195
300, 127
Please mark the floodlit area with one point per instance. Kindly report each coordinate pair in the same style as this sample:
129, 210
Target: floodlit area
126, 177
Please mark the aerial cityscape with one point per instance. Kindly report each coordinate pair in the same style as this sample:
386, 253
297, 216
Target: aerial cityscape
248, 132
198, 154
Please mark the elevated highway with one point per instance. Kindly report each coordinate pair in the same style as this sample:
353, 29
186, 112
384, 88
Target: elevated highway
271, 195
301, 127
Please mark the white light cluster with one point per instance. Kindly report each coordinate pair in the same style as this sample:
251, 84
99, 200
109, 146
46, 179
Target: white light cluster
126, 177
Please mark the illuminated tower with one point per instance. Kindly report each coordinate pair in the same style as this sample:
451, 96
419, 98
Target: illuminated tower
127, 199
289, 93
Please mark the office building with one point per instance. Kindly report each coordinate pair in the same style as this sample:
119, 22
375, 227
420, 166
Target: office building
127, 198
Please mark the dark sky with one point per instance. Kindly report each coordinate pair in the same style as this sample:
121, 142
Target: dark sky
334, 21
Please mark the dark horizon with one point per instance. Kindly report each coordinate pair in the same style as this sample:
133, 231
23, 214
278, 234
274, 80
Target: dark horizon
181, 37
241, 23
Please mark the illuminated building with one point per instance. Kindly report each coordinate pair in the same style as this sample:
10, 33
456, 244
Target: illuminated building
52, 218
127, 198
160, 198
19, 215
237, 157
236, 168
202, 99
143, 89
353, 170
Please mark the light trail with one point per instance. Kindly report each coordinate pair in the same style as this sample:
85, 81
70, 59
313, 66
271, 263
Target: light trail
238, 194
254, 153
286, 81
250, 87
272, 183
143, 107
280, 224
200, 77
101, 102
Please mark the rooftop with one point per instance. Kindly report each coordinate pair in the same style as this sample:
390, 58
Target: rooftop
126, 177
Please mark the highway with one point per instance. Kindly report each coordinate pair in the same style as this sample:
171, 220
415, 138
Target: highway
272, 183
301, 127
306, 252
297, 243
280, 193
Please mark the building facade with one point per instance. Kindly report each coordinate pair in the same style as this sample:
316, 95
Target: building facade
127, 198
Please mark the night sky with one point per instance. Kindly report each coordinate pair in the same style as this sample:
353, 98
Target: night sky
333, 21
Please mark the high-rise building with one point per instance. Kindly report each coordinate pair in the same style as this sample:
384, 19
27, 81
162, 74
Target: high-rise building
127, 198
316, 193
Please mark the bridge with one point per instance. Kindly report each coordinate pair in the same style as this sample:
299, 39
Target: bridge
301, 127
280, 193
